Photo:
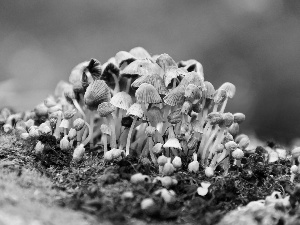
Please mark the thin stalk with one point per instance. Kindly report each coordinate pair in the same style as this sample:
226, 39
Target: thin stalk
89, 137
129, 135
224, 105
78, 107
117, 86
153, 157
113, 141
104, 143
128, 85
203, 157
92, 124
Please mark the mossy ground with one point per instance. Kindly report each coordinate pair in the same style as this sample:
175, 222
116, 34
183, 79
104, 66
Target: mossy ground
50, 189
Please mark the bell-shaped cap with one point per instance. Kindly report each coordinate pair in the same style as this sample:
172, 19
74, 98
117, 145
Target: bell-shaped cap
209, 90
237, 153
220, 96
166, 62
78, 124
214, 118
109, 69
146, 94
75, 77
94, 68
172, 143
50, 101
121, 100
135, 110
186, 107
175, 97
123, 57
68, 114
229, 88
141, 67
192, 78
239, 117
192, 92
153, 79
140, 53
105, 108
228, 119
96, 93
150, 131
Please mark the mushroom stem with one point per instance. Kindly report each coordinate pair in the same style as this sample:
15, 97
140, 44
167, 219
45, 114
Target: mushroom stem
123, 139
113, 141
92, 124
204, 153
153, 157
104, 143
87, 140
128, 85
117, 86
57, 128
224, 105
77, 106
129, 135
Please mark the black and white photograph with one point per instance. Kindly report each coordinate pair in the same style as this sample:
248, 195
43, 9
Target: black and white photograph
160, 112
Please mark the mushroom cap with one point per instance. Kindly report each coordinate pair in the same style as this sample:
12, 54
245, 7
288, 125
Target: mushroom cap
294, 169
75, 77
234, 129
296, 152
237, 153
191, 65
244, 142
105, 108
50, 101
64, 143
140, 53
162, 160
209, 171
141, 67
105, 129
229, 88
78, 124
220, 96
78, 152
175, 116
215, 118
205, 184
192, 78
59, 89
171, 74
146, 94
41, 110
96, 93
193, 142
273, 156
72, 133
69, 92
186, 107
228, 119
94, 68
165, 61
231, 145
68, 114
135, 110
153, 79
192, 92
175, 97
121, 100
108, 69
177, 162
193, 166
196, 125
202, 191
209, 90
239, 117
172, 143
124, 57
64, 123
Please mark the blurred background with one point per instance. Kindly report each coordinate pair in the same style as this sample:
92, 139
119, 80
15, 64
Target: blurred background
254, 44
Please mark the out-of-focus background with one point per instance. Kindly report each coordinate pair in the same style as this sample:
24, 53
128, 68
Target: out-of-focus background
254, 44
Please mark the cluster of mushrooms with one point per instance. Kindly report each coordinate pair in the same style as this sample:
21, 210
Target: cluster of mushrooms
139, 105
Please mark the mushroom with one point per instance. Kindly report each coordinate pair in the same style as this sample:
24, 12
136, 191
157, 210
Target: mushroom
110, 74
106, 109
136, 112
105, 131
230, 89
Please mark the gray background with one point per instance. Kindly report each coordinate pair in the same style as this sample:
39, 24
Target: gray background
254, 44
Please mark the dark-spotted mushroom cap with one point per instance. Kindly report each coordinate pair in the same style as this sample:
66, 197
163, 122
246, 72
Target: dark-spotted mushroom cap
96, 93
121, 100
146, 94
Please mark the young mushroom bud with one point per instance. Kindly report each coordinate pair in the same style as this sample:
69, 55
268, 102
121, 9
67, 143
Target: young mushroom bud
39, 148
108, 156
24, 136
139, 178
64, 143
244, 143
294, 171
162, 160
194, 165
239, 117
177, 162
234, 129
237, 154
157, 148
168, 168
78, 153
72, 134
7, 128
209, 171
